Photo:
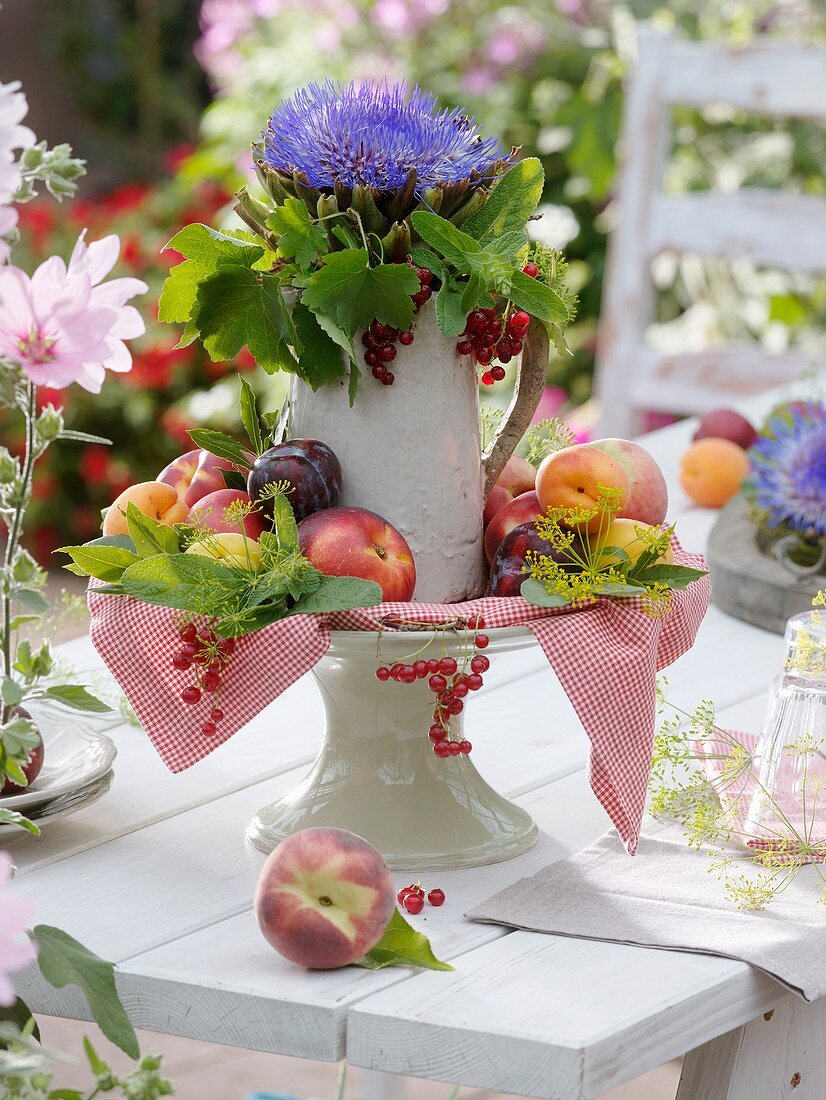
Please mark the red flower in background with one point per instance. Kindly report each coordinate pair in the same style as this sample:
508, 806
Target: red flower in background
155, 368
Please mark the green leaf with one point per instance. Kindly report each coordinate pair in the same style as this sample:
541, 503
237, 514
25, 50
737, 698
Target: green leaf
299, 237
675, 576
284, 533
149, 536
189, 582
321, 360
536, 593
537, 299
111, 540
237, 307
32, 599
106, 563
347, 289
249, 619
76, 697
339, 594
221, 445
12, 817
84, 437
206, 250
402, 945
250, 418
21, 620
617, 588
234, 479
512, 201
63, 961
450, 311
452, 243
12, 693
353, 383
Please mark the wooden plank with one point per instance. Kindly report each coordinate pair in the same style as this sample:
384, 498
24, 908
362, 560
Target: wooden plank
770, 228
766, 77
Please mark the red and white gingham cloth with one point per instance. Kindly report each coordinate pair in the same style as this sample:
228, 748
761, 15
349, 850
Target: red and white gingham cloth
606, 656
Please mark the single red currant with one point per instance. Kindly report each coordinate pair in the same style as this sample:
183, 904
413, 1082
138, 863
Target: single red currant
406, 338
460, 690
402, 894
480, 663
516, 347
497, 373
441, 749
433, 665
464, 347
481, 641
210, 682
383, 674
487, 378
520, 320
437, 732
380, 331
379, 371
436, 897
476, 322
181, 661
465, 747
413, 904
484, 356
387, 353
209, 729
371, 358
425, 275
191, 695
189, 632
474, 681
448, 665
421, 669
453, 748
389, 378
475, 622
189, 651
531, 269
216, 714
437, 682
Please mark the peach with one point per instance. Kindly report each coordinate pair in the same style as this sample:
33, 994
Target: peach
712, 471
522, 509
517, 477
726, 424
324, 898
626, 534
211, 511
231, 548
153, 498
573, 476
647, 492
352, 542
195, 474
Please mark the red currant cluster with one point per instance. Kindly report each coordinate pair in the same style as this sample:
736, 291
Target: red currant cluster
449, 682
380, 340
412, 897
207, 655
489, 336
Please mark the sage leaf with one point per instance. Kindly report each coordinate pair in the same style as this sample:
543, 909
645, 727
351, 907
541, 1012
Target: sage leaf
536, 593
105, 563
339, 594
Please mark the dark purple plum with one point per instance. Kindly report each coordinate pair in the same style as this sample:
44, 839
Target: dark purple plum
31, 769
310, 468
506, 569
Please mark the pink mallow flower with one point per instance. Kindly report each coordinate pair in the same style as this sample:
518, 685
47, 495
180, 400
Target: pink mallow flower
66, 325
16, 949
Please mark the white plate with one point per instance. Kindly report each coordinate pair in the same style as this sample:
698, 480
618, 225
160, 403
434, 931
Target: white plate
75, 756
62, 807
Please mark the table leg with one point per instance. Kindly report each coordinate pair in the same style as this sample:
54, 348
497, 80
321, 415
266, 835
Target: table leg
378, 1085
781, 1054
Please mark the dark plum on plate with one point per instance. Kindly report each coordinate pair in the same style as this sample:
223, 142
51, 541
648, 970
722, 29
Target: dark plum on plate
31, 769
508, 565
309, 467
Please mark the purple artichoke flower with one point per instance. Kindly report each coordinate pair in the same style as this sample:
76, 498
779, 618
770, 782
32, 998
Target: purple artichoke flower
788, 480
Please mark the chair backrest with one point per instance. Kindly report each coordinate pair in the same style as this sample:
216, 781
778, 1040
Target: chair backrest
773, 228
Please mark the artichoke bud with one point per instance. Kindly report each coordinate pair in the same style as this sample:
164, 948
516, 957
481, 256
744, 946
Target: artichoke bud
364, 204
308, 195
49, 424
404, 200
343, 194
397, 243
472, 206
257, 210
327, 206
432, 199
9, 467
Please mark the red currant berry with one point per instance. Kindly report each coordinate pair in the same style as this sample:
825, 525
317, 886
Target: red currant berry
481, 641
494, 328
387, 353
408, 675
520, 320
448, 665
433, 665
189, 651
181, 661
425, 276
402, 894
191, 695
474, 681
437, 732
504, 357
227, 645
389, 378
216, 714
480, 663
380, 331
497, 373
437, 682
516, 347
455, 706
371, 358
406, 338
421, 669
465, 747
413, 904
379, 371
487, 378
484, 356
476, 322
368, 339
210, 682
460, 690
209, 729
395, 670
189, 632
383, 674
436, 897
475, 622
441, 749
453, 748
531, 269
464, 347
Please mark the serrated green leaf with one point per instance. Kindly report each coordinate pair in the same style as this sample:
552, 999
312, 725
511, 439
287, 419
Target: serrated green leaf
205, 250
190, 582
452, 243
512, 201
238, 307
63, 961
536, 593
249, 416
321, 360
299, 237
76, 697
13, 817
537, 299
105, 563
148, 535
221, 445
675, 576
402, 945
339, 594
347, 289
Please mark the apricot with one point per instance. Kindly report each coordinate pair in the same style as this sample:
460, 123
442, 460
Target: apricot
153, 498
712, 471
573, 477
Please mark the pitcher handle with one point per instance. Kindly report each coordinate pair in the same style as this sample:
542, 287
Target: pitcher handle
530, 384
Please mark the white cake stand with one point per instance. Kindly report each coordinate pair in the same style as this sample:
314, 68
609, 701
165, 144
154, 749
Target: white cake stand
377, 774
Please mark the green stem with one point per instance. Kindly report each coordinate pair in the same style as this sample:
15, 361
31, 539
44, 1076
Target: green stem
16, 529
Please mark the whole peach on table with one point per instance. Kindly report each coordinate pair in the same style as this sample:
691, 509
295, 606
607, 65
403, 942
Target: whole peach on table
572, 478
231, 548
628, 535
153, 498
712, 471
354, 542
195, 474
211, 511
726, 424
522, 509
647, 499
517, 477
324, 898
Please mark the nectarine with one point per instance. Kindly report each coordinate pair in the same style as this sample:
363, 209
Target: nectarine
522, 509
573, 477
196, 473
726, 424
153, 498
712, 470
647, 499
212, 511
517, 477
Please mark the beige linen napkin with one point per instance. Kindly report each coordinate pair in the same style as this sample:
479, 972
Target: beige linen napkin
665, 897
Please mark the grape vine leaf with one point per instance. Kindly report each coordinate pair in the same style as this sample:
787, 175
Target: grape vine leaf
511, 203
205, 250
299, 237
321, 360
347, 289
402, 945
237, 306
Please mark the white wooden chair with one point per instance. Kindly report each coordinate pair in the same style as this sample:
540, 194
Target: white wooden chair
772, 228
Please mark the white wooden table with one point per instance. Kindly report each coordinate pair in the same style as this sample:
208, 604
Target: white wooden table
156, 876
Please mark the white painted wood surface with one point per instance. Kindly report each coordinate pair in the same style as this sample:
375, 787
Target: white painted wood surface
157, 877
771, 228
